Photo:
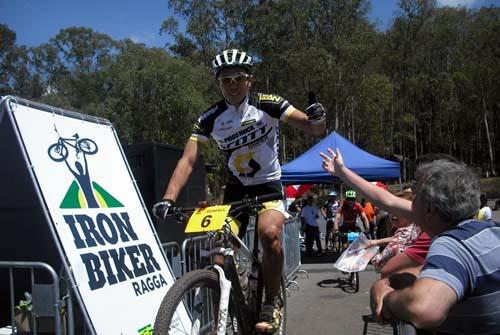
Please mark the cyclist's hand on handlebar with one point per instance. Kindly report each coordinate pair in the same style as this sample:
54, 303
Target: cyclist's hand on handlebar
316, 113
163, 209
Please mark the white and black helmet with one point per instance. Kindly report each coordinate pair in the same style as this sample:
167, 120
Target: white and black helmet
231, 58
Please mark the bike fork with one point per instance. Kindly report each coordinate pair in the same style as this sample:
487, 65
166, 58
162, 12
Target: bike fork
225, 290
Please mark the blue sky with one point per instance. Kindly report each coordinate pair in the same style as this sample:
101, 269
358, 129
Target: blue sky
36, 21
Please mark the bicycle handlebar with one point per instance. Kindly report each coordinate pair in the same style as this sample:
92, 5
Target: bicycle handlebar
236, 206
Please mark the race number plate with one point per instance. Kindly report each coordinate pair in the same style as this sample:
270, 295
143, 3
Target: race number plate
207, 219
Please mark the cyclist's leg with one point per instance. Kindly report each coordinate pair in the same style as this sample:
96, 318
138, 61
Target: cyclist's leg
329, 228
270, 225
317, 238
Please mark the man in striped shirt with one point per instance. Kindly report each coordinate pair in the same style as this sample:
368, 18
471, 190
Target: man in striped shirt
458, 290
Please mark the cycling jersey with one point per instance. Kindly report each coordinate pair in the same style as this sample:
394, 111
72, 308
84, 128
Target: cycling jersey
331, 208
350, 213
247, 136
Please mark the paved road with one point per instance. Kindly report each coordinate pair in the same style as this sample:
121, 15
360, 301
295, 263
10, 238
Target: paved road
322, 305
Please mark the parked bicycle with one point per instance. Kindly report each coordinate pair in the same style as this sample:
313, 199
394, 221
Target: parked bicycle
226, 296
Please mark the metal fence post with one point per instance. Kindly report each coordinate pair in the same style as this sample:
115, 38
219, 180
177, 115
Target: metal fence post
56, 303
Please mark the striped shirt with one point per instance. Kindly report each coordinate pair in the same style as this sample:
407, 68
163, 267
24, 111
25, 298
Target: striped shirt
467, 258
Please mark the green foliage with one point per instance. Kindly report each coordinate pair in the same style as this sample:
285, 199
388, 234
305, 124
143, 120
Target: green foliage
491, 186
152, 97
430, 83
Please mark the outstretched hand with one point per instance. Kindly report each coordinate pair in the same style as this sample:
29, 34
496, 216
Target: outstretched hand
332, 163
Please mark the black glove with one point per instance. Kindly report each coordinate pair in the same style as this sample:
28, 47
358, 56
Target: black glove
316, 113
163, 208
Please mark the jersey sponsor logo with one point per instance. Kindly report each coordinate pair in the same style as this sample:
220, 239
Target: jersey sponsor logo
244, 137
248, 122
251, 168
269, 98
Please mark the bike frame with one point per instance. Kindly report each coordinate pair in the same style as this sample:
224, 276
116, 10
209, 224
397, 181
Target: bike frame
244, 312
229, 280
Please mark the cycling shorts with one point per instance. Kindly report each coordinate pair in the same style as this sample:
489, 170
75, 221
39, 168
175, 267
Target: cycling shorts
236, 192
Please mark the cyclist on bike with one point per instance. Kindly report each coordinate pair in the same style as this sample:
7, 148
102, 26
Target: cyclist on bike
329, 211
245, 127
350, 210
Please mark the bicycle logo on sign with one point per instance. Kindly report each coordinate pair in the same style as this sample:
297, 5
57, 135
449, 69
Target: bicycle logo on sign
76, 163
59, 151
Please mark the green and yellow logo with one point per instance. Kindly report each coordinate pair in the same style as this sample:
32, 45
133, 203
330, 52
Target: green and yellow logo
75, 198
147, 330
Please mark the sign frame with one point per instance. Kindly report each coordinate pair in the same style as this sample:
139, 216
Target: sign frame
7, 110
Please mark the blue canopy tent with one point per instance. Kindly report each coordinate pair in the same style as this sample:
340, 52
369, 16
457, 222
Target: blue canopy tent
307, 168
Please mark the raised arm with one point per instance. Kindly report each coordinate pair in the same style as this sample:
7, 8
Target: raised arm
300, 120
334, 164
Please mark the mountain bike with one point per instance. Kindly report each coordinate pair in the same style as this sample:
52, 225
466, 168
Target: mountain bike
339, 239
226, 296
59, 151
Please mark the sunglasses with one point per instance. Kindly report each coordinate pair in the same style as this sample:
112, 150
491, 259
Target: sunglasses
350, 199
238, 78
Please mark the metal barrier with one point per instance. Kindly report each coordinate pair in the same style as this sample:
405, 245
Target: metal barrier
46, 301
192, 252
193, 249
173, 252
291, 249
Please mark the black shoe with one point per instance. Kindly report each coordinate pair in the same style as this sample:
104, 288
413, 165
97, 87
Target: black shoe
270, 318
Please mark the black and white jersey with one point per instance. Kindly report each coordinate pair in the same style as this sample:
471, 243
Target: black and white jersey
247, 136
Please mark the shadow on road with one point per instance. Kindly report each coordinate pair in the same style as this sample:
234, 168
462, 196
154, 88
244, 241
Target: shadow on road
342, 283
327, 257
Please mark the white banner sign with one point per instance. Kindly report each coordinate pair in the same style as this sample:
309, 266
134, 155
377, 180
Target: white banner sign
106, 236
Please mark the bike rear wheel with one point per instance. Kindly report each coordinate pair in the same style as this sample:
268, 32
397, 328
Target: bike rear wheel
199, 290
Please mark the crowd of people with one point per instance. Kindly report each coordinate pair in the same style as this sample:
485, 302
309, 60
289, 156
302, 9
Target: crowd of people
435, 233
454, 285
439, 259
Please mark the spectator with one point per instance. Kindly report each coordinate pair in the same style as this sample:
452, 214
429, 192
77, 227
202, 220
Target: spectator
310, 216
383, 222
329, 211
484, 211
411, 259
406, 233
458, 290
370, 215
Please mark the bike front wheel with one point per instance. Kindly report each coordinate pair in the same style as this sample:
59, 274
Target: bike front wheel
199, 291
58, 152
